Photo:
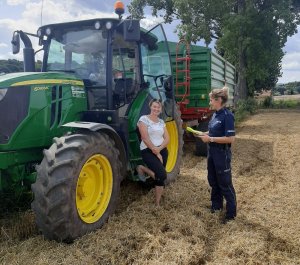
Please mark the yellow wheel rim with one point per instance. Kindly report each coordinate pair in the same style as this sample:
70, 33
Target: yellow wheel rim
94, 188
172, 146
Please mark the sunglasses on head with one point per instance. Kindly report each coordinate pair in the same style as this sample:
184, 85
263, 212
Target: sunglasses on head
156, 100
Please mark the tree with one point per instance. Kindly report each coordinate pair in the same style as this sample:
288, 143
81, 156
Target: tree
249, 33
11, 66
280, 89
38, 65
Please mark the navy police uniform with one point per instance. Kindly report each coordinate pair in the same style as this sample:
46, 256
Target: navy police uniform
219, 163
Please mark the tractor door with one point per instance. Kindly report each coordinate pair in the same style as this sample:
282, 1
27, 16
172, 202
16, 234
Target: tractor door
125, 71
156, 68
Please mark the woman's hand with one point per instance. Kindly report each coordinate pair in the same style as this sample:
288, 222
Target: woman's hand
160, 158
156, 150
205, 138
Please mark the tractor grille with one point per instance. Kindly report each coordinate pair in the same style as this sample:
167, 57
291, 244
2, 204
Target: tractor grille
13, 110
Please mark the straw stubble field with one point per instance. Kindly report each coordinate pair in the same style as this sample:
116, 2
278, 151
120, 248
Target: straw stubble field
266, 173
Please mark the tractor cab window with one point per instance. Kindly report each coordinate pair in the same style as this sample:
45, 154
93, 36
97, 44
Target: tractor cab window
124, 70
156, 61
156, 67
82, 52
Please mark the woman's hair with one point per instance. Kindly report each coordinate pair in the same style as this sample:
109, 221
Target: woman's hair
155, 100
220, 93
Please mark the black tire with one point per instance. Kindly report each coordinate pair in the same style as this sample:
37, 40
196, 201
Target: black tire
201, 147
174, 147
61, 179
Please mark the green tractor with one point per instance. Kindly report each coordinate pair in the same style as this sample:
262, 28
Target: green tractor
68, 133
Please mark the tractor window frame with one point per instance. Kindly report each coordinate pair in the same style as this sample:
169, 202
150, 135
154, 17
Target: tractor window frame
158, 73
125, 70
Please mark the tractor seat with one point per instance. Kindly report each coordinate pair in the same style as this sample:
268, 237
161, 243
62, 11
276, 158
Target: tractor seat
124, 85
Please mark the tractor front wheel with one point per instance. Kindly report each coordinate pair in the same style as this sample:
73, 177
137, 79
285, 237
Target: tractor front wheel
78, 185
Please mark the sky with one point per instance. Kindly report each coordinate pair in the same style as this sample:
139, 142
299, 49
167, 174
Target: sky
28, 15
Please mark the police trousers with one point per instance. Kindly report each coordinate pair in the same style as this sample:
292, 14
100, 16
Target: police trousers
220, 179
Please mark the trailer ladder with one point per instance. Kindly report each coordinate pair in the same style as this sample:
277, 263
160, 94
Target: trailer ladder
183, 78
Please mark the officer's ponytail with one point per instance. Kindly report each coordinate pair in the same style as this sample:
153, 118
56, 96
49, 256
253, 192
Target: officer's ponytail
220, 93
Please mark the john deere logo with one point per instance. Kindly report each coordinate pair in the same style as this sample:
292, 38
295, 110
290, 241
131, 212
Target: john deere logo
39, 88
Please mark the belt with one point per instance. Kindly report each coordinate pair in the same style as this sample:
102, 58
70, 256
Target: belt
221, 146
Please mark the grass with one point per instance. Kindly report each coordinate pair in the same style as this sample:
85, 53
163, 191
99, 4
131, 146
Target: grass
286, 104
250, 106
244, 109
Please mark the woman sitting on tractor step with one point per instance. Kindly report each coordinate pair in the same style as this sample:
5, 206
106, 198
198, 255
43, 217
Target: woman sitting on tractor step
154, 140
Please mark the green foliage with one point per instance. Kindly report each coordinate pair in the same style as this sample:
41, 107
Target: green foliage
278, 90
38, 66
267, 102
14, 66
11, 66
244, 108
250, 34
290, 88
262, 28
286, 104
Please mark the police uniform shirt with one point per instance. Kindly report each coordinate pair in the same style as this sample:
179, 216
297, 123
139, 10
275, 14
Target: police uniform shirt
221, 124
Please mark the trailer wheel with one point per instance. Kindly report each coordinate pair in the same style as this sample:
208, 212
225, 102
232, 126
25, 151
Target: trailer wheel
201, 147
77, 186
174, 147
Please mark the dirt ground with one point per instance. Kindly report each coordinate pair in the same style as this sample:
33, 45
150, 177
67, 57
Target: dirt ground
266, 175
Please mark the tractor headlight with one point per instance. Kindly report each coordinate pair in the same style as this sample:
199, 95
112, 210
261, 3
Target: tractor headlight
108, 25
48, 31
39, 33
97, 25
2, 93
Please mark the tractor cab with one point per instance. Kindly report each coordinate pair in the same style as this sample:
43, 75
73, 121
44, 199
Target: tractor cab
114, 58
98, 52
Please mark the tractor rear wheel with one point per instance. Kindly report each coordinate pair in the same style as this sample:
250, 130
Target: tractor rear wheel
77, 186
174, 147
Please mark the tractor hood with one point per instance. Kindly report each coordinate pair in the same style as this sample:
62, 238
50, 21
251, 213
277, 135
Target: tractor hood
33, 78
34, 105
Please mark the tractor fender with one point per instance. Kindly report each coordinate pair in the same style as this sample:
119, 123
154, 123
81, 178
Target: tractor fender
96, 127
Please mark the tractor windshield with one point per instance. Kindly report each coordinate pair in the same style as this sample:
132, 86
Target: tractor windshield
156, 62
83, 52
157, 71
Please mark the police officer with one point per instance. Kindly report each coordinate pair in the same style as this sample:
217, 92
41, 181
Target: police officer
219, 137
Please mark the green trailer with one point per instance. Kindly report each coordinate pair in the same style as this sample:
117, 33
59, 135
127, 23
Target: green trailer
196, 71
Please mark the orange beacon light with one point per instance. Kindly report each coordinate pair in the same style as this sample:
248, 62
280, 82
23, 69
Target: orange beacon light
119, 8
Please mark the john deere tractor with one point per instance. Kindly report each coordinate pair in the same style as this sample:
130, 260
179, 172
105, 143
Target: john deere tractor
68, 133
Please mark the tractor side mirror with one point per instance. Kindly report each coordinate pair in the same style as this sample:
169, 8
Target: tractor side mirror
15, 42
131, 30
